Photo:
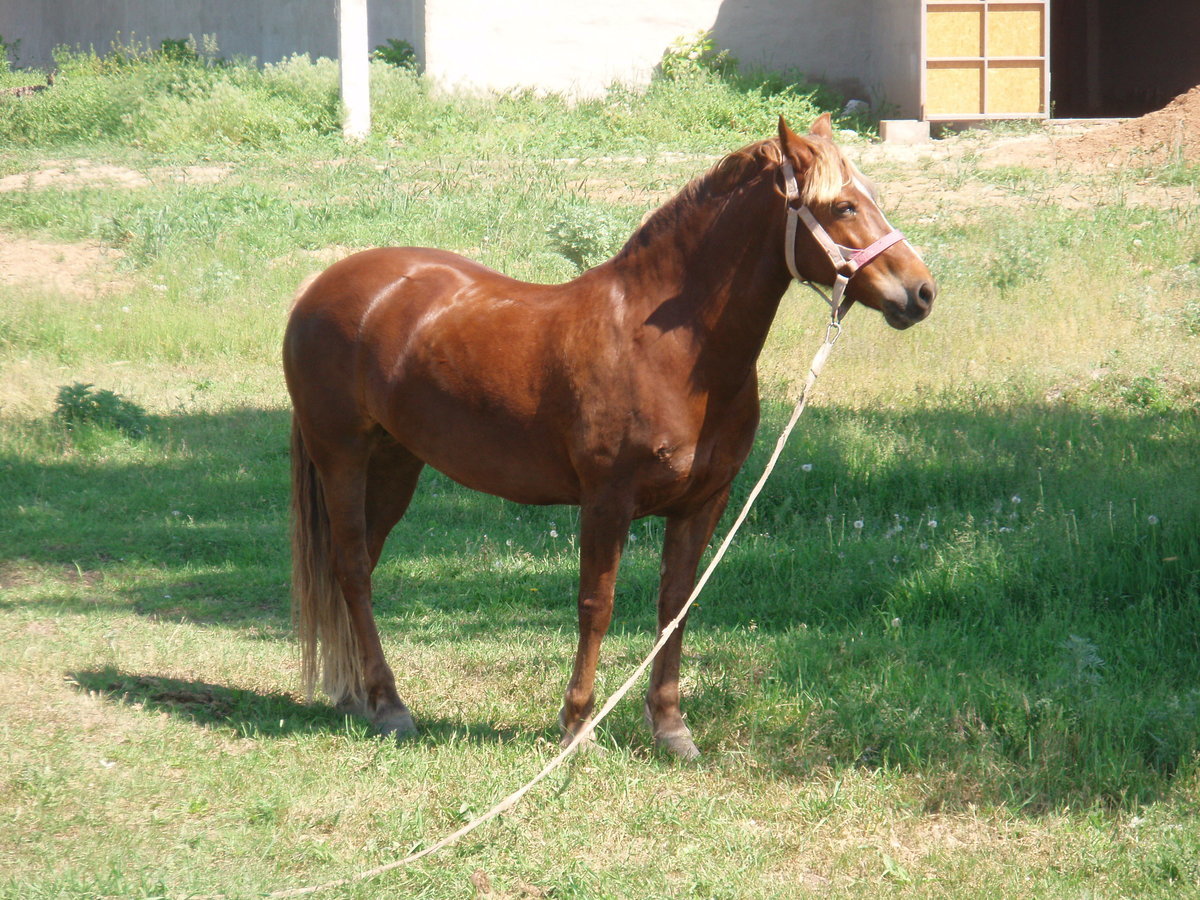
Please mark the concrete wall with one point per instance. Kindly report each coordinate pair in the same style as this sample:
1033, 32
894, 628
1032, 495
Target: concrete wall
268, 30
575, 47
895, 43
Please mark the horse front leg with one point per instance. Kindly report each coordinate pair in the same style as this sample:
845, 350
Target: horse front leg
602, 534
683, 545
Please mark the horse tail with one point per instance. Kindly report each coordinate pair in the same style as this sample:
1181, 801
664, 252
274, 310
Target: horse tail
328, 648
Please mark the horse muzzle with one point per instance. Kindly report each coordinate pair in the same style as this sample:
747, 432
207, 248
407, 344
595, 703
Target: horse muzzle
912, 307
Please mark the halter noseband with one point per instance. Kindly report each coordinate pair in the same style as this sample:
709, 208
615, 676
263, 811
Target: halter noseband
846, 266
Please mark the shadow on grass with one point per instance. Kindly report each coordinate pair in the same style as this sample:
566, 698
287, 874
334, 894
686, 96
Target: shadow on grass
245, 712
1089, 600
194, 526
255, 714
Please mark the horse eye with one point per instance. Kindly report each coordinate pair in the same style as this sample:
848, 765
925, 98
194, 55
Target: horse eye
845, 208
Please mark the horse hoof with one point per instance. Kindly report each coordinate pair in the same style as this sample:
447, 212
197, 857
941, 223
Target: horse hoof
398, 725
350, 707
678, 742
587, 747
682, 747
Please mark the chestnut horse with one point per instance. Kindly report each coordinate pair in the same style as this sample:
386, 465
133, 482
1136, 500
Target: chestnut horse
631, 391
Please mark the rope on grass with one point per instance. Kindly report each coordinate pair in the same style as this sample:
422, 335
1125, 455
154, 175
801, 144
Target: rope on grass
586, 731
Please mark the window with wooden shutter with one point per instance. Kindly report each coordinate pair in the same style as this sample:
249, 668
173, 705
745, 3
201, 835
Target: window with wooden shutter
985, 59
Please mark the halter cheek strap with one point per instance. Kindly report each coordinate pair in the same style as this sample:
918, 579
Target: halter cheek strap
846, 266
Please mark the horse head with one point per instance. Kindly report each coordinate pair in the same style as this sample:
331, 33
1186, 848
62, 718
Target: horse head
846, 240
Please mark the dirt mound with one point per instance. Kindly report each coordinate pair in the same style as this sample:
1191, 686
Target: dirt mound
1163, 136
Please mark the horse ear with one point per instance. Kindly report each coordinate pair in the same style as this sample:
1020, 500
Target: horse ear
794, 146
822, 127
789, 141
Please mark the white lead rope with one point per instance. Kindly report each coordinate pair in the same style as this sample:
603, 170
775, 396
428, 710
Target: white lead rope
832, 333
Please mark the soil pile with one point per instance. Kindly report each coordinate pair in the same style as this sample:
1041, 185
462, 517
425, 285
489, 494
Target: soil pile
1166, 135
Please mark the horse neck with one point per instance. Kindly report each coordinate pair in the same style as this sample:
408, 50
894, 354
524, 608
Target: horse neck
714, 268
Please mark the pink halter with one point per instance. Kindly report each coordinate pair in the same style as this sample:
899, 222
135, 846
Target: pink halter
846, 266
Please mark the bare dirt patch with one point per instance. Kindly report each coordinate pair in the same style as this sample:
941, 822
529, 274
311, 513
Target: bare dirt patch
74, 174
74, 270
1074, 164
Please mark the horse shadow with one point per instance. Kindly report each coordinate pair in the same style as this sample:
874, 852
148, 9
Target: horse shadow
246, 713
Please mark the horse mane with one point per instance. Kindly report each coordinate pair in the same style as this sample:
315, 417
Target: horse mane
820, 183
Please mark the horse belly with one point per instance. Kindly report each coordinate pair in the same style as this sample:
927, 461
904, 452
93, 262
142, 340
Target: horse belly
482, 426
489, 454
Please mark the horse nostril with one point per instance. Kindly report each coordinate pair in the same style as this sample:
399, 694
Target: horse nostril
925, 294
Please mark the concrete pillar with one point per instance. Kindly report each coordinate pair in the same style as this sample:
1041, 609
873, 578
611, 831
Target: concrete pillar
355, 64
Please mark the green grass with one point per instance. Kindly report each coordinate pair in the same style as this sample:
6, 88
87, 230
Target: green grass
955, 649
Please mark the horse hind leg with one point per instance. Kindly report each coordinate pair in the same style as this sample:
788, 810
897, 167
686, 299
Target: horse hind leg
392, 476
364, 490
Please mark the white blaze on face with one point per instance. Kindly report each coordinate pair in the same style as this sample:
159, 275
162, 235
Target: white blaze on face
860, 183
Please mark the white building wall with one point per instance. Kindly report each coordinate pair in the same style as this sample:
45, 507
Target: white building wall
896, 69
563, 46
580, 47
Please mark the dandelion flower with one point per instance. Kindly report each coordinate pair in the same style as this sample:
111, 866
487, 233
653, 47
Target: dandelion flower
553, 532
1016, 498
933, 523
807, 467
858, 523
1153, 520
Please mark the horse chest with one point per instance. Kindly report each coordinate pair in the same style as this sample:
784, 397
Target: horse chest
675, 474
671, 462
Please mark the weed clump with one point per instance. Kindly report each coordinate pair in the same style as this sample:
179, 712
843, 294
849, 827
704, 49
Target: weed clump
585, 236
79, 406
400, 54
178, 95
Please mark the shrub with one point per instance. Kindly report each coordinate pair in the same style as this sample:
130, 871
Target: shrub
396, 53
6, 48
79, 406
690, 54
586, 236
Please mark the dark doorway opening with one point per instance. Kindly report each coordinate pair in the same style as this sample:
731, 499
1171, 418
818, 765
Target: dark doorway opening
1121, 57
